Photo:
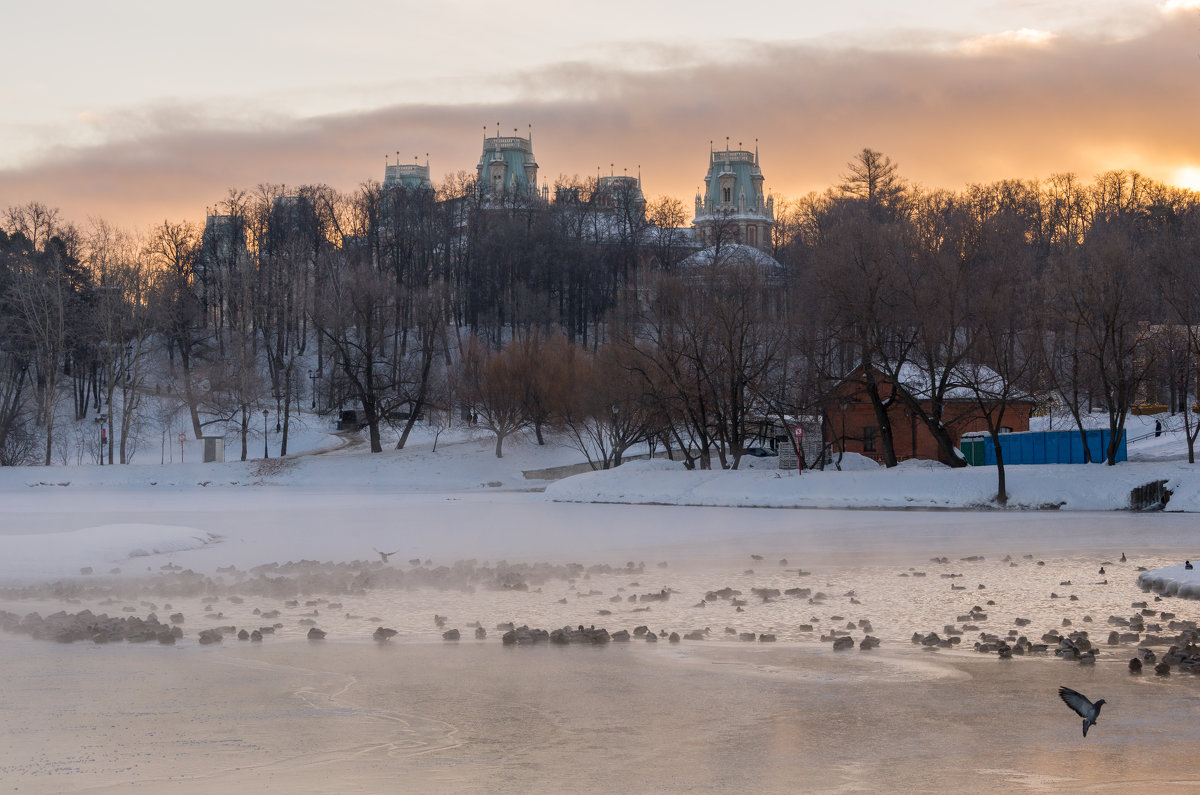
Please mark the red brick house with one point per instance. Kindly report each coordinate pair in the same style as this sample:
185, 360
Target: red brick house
851, 425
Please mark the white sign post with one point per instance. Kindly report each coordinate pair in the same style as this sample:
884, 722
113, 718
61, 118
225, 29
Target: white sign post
798, 432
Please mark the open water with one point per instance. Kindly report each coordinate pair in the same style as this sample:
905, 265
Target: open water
420, 714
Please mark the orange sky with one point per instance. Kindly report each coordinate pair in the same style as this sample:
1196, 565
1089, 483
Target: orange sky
1022, 104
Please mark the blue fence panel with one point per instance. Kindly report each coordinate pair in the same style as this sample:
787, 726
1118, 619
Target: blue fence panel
1044, 447
1039, 450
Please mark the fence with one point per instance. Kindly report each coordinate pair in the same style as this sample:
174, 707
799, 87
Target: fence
1041, 447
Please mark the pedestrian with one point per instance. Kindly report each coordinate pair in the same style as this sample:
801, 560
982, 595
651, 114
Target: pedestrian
1157, 429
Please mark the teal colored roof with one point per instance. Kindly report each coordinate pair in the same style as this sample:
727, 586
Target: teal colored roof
515, 154
737, 170
407, 175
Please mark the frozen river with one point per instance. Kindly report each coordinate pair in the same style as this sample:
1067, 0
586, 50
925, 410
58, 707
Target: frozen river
721, 713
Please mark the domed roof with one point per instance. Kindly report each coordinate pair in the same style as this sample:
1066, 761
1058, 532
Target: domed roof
736, 255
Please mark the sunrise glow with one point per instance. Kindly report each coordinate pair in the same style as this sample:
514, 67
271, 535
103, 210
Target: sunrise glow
1187, 177
956, 93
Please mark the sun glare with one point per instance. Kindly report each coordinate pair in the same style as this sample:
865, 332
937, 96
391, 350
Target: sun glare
1187, 177
1172, 6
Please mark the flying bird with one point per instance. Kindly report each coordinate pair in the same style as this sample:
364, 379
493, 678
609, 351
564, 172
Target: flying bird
384, 555
1085, 709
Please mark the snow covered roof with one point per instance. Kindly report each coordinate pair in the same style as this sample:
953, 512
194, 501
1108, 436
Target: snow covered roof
917, 382
732, 254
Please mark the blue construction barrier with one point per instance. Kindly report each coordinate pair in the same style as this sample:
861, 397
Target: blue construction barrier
1041, 447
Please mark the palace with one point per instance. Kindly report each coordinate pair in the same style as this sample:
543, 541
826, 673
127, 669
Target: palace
731, 209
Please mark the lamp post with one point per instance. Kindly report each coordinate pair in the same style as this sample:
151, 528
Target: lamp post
266, 412
314, 376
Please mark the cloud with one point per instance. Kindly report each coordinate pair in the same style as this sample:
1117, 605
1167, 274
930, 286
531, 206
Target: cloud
1024, 37
1178, 6
948, 117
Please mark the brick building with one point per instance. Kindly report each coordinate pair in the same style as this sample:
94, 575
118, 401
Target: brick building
851, 425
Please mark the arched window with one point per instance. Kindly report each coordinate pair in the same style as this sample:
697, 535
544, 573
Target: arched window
726, 194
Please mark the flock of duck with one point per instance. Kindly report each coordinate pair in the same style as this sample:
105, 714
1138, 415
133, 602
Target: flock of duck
1176, 640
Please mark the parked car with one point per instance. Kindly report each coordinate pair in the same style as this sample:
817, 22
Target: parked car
351, 421
761, 452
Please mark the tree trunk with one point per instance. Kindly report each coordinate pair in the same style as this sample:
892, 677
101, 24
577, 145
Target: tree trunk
1001, 491
887, 445
947, 454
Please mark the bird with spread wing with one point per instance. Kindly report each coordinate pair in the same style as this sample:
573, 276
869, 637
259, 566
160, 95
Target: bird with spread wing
1089, 711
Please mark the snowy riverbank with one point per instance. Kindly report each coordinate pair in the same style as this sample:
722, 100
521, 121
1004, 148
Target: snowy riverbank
913, 485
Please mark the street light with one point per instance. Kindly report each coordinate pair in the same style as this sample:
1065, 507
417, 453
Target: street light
314, 376
265, 453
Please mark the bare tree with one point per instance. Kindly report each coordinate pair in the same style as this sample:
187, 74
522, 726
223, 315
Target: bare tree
1103, 297
123, 322
354, 313
604, 413
1003, 369
172, 250
42, 295
492, 384
872, 178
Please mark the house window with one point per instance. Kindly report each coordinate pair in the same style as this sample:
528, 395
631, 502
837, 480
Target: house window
727, 194
869, 434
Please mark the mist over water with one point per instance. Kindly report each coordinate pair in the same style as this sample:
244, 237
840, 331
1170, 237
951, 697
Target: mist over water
419, 713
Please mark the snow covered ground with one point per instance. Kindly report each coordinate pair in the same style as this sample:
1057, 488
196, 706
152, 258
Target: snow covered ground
913, 484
